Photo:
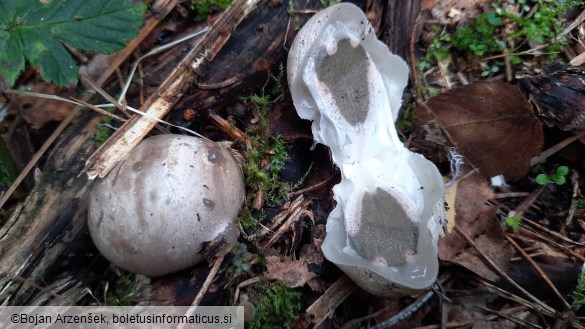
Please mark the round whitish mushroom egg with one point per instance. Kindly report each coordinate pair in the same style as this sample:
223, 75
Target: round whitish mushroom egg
170, 203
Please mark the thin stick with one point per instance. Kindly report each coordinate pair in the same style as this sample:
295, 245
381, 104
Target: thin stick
154, 52
503, 274
557, 147
312, 187
73, 100
553, 233
576, 193
326, 304
529, 231
98, 110
204, 288
226, 127
104, 94
511, 195
208, 281
467, 323
244, 284
509, 317
538, 269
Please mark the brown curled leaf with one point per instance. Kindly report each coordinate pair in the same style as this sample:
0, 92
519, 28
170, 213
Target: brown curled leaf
492, 125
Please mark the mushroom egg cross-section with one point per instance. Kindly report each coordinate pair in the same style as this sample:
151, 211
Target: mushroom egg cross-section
384, 229
169, 202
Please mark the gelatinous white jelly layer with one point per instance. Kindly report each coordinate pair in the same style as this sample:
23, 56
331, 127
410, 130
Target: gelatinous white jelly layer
384, 230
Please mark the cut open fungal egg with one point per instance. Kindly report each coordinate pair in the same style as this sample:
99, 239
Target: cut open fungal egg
384, 230
170, 203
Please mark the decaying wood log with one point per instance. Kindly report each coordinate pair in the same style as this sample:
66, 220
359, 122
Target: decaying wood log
47, 244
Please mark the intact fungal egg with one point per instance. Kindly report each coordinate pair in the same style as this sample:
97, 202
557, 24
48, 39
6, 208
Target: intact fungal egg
168, 204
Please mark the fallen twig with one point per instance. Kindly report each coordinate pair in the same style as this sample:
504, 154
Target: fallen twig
169, 92
503, 274
538, 269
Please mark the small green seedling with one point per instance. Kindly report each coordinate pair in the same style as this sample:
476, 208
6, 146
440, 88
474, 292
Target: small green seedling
559, 177
514, 222
579, 294
487, 35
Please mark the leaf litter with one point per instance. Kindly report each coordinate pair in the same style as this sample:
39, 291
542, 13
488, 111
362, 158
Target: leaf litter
475, 217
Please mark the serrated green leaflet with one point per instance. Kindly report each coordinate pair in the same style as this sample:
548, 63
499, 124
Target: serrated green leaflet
36, 31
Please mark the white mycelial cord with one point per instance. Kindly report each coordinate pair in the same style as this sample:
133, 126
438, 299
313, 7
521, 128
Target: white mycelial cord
456, 160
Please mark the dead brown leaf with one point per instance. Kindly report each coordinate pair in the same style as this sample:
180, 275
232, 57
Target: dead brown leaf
476, 219
293, 273
38, 111
454, 10
491, 124
311, 254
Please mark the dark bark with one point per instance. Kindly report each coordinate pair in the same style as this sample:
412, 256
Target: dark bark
398, 23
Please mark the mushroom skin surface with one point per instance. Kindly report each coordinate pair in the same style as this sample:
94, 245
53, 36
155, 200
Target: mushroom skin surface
170, 202
384, 230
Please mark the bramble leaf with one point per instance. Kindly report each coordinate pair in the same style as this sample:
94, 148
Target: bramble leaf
38, 32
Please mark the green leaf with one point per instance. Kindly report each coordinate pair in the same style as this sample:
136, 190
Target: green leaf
560, 180
542, 179
513, 222
493, 18
38, 32
562, 171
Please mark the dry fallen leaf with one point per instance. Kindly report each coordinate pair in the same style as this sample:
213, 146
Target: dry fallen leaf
38, 111
477, 220
454, 10
293, 273
491, 124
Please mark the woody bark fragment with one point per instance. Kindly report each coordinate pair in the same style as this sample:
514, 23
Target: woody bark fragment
169, 92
